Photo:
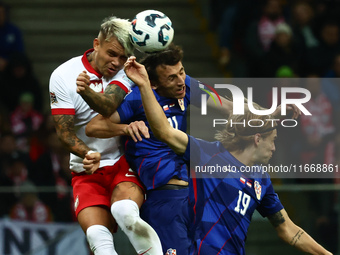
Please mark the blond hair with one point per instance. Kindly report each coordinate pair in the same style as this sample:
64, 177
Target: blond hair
117, 28
238, 134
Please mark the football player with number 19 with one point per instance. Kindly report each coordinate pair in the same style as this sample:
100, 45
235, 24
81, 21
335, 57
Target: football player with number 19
222, 207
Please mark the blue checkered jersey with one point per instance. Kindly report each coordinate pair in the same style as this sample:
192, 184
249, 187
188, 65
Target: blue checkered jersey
221, 207
152, 159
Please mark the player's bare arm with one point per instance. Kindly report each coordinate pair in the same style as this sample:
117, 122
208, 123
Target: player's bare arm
104, 103
176, 139
65, 129
102, 127
276, 219
294, 235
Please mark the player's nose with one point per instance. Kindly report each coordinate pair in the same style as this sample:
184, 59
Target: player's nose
181, 80
116, 63
273, 148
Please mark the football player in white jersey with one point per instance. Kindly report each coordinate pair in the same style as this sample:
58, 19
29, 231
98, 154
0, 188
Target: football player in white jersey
113, 187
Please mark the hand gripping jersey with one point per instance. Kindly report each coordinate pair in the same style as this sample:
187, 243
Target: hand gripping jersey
221, 208
153, 160
65, 100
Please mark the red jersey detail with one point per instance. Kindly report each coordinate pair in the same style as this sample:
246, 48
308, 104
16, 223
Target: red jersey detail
87, 64
63, 111
121, 85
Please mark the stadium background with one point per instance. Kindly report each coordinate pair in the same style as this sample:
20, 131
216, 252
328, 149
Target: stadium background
56, 30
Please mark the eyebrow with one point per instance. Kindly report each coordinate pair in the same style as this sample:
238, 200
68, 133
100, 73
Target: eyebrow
172, 76
115, 52
175, 74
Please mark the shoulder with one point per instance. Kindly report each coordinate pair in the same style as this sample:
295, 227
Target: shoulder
189, 81
210, 147
122, 81
201, 152
133, 94
68, 69
65, 75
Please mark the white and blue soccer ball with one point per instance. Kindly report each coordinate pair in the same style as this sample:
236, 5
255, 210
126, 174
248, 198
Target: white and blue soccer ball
151, 31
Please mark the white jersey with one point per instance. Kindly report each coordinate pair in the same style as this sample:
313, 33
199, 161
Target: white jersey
65, 100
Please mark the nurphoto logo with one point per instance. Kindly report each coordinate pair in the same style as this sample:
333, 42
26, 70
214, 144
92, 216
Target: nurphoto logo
239, 103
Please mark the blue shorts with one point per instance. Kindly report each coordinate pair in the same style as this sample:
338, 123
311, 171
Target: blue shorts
167, 212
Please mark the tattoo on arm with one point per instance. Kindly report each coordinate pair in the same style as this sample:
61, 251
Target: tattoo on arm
116, 94
106, 104
65, 129
297, 237
276, 219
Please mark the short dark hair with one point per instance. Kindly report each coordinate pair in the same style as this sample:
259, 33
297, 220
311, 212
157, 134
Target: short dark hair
170, 56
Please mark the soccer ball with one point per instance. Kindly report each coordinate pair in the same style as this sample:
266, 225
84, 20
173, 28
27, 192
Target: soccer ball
151, 31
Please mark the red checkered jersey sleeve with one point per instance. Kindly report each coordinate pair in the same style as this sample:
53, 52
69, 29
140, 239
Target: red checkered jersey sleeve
270, 203
121, 80
61, 95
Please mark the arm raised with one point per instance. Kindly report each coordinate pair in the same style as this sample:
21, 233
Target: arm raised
176, 139
104, 103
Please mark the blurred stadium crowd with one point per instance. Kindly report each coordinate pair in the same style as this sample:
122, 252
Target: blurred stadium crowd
31, 154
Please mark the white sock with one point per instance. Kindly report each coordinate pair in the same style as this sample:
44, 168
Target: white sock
141, 235
100, 240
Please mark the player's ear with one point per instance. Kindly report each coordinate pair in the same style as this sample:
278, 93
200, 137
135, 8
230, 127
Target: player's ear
154, 85
96, 43
257, 138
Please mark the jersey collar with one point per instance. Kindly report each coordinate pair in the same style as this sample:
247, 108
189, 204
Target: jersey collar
87, 64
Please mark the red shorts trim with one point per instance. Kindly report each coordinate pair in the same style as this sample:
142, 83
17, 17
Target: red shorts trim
96, 189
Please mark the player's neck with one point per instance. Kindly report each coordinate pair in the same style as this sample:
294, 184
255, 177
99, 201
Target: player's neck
91, 58
245, 156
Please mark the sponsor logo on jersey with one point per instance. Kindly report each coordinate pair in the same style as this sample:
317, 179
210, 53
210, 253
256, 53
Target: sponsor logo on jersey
76, 203
97, 86
171, 252
131, 175
53, 98
181, 104
258, 189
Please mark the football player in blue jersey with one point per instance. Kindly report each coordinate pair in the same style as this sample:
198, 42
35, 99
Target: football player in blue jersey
162, 171
221, 208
